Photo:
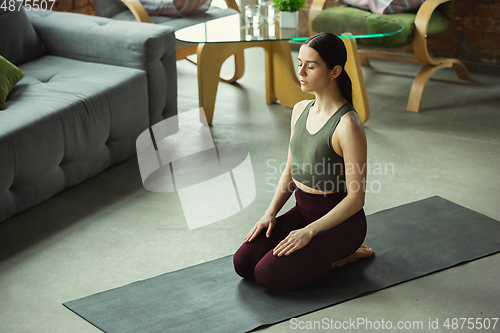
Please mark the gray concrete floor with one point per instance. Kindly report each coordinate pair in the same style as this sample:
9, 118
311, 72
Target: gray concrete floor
109, 231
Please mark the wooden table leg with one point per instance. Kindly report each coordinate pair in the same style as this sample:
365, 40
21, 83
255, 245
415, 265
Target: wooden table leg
285, 82
353, 68
239, 68
270, 93
209, 65
211, 56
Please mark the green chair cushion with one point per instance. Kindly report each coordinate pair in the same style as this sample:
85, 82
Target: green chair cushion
9, 76
342, 19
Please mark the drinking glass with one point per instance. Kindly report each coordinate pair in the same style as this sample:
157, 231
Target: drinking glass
252, 14
267, 11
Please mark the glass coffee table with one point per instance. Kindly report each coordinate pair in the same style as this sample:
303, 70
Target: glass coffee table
220, 38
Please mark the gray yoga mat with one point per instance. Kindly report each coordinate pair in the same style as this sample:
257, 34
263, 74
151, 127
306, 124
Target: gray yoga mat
410, 241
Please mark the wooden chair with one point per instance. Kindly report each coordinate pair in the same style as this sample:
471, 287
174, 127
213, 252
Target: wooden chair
433, 16
135, 10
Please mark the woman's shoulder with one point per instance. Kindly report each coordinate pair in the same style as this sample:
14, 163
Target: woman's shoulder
350, 123
298, 109
302, 104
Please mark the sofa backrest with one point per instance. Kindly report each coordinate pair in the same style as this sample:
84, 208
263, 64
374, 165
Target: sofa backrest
19, 42
109, 8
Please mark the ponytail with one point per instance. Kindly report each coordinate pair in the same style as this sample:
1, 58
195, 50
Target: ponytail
345, 86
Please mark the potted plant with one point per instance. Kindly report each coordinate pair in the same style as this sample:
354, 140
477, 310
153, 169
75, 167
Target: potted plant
289, 12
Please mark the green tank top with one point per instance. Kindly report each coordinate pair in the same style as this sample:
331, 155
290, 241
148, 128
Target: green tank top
314, 161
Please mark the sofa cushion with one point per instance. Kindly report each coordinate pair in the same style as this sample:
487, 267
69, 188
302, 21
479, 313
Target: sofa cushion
385, 6
176, 8
148, 47
66, 121
9, 76
179, 23
19, 42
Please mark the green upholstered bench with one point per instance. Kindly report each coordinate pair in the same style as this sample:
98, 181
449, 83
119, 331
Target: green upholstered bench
337, 17
433, 16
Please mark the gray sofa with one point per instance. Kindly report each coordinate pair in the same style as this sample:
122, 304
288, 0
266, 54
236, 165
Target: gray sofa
91, 86
117, 10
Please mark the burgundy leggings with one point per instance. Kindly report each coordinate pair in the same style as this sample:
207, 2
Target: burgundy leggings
255, 260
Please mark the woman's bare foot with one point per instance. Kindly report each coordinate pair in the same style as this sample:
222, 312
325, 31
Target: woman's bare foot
363, 252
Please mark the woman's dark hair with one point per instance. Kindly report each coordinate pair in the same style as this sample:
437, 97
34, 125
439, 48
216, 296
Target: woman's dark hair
333, 52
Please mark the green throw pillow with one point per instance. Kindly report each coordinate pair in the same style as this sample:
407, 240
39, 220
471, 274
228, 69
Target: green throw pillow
9, 76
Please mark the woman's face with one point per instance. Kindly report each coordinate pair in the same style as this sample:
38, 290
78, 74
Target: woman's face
313, 73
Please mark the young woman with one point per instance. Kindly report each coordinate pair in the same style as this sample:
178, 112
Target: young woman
326, 167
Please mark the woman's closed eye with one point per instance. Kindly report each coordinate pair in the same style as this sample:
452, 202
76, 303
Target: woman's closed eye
309, 67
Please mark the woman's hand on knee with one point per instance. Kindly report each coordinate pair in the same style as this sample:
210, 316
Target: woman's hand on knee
267, 221
295, 240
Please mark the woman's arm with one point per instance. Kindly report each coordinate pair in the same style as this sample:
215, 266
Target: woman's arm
352, 141
284, 189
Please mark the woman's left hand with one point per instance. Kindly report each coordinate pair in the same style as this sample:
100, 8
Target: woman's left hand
297, 239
